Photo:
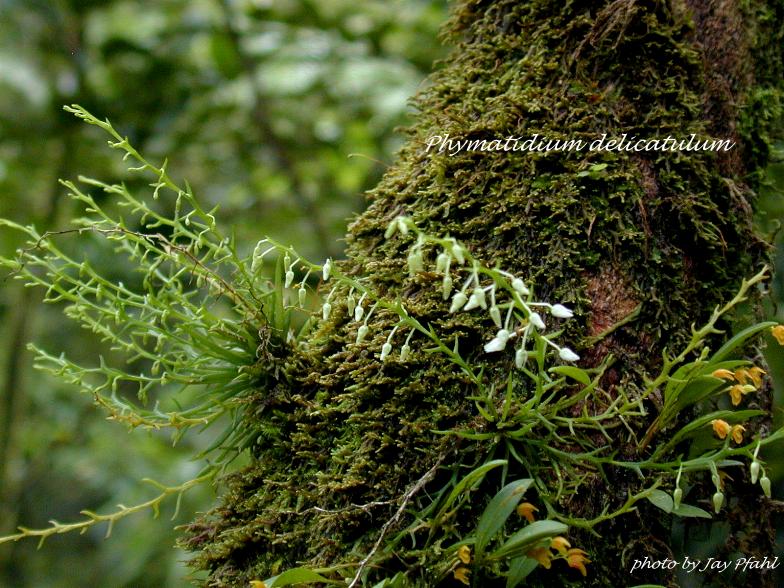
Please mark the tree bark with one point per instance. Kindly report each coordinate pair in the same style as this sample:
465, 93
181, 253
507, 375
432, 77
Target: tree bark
642, 250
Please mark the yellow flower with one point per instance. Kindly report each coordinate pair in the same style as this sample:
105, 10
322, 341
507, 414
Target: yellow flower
464, 554
723, 374
742, 375
527, 510
560, 544
577, 560
257, 584
756, 374
461, 575
737, 433
722, 476
721, 428
778, 333
542, 555
738, 391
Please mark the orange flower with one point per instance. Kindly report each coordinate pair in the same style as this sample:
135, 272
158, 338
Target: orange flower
756, 374
723, 374
542, 555
721, 428
577, 560
778, 333
737, 392
737, 433
527, 510
461, 575
257, 584
560, 544
742, 375
464, 554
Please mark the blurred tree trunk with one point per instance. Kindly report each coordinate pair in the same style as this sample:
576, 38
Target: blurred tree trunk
641, 249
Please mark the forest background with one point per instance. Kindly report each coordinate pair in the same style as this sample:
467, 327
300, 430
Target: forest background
283, 113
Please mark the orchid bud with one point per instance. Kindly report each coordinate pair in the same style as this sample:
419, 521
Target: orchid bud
479, 293
560, 311
326, 269
415, 263
458, 254
351, 304
568, 355
521, 357
499, 342
494, 345
718, 501
472, 303
755, 470
446, 287
765, 485
258, 259
289, 278
391, 229
361, 333
458, 301
358, 312
302, 294
442, 261
325, 310
402, 225
405, 351
519, 287
536, 320
495, 314
386, 349
677, 496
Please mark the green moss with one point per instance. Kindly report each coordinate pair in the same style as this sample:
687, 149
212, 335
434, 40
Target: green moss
671, 232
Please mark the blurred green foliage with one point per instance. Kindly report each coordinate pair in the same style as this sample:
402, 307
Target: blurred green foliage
281, 112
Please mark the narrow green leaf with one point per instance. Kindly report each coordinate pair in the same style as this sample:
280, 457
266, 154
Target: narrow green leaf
474, 477
695, 390
572, 372
519, 570
297, 576
487, 416
397, 581
496, 513
731, 416
679, 379
527, 537
661, 499
694, 382
687, 510
740, 339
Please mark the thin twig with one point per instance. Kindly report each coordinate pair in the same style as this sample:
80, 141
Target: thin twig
396, 517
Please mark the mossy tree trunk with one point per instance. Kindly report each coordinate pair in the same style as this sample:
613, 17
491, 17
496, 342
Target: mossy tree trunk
648, 245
